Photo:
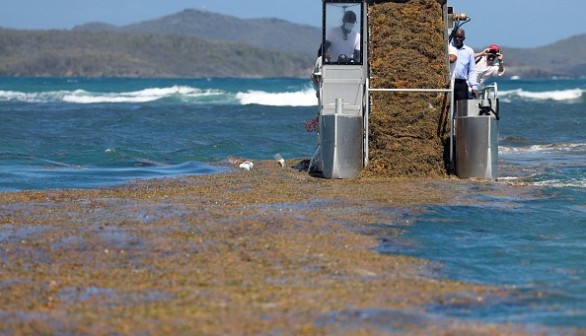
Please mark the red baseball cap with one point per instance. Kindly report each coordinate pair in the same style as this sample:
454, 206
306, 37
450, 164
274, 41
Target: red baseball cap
494, 47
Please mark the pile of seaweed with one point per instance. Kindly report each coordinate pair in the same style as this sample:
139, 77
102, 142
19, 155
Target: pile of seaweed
408, 131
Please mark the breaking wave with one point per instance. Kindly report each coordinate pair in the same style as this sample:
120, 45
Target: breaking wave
141, 96
550, 165
187, 94
558, 183
545, 148
556, 95
299, 98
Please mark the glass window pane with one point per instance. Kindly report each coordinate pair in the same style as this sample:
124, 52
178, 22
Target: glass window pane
342, 33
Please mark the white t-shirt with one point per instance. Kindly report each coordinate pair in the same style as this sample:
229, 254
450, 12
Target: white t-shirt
485, 71
342, 43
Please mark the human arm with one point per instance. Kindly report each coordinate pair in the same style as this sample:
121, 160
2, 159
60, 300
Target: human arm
501, 64
316, 74
482, 53
452, 53
472, 74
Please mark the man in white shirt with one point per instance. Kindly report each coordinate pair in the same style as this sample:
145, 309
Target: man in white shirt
344, 42
489, 63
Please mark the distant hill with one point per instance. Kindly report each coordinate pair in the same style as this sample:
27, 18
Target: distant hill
119, 54
273, 34
195, 43
565, 58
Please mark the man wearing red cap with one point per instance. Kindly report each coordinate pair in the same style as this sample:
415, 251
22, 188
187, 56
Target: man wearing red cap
489, 63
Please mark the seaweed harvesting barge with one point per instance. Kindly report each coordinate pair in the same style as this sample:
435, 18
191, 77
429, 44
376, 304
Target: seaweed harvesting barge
386, 103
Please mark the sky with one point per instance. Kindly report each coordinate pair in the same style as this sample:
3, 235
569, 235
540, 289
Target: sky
509, 23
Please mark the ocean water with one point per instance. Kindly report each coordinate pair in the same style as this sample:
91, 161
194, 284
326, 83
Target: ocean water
85, 133
71, 133
534, 244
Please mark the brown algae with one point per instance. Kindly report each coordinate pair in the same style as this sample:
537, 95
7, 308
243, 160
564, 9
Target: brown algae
266, 251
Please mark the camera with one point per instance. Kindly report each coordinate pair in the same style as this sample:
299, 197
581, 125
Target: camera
492, 51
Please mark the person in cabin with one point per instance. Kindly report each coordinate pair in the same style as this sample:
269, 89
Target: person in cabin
465, 82
489, 63
312, 124
316, 73
344, 41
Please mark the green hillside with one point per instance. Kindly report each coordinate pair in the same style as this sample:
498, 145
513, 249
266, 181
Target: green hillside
120, 54
563, 58
273, 34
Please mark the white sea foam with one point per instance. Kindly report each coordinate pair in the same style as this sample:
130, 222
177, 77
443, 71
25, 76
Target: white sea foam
508, 178
141, 96
297, 98
32, 97
305, 97
556, 95
562, 184
86, 97
12, 95
545, 148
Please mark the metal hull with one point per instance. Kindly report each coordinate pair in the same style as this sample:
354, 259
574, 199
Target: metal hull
341, 145
341, 125
476, 142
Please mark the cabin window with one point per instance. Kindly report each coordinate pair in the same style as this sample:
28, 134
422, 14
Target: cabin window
342, 40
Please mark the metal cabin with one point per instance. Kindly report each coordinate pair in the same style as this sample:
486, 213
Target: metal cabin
343, 98
343, 94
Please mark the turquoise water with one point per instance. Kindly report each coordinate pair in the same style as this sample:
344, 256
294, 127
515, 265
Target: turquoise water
533, 244
63, 133
72, 133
